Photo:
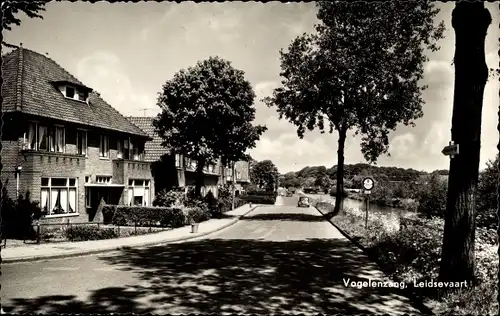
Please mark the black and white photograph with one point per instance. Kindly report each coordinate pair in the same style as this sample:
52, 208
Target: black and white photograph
324, 157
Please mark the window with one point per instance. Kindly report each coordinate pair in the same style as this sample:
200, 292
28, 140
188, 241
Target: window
59, 142
238, 175
134, 150
45, 138
70, 92
104, 146
119, 149
193, 164
211, 168
82, 96
58, 196
126, 153
31, 141
177, 160
138, 192
103, 179
81, 142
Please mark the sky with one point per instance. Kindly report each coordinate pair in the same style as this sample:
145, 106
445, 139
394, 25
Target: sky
127, 51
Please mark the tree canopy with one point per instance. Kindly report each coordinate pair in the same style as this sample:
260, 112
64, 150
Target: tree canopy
264, 174
207, 113
360, 70
10, 10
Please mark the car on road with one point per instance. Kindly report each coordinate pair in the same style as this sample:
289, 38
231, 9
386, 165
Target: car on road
303, 202
289, 193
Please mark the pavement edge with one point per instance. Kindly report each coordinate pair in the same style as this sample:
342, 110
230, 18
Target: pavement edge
97, 251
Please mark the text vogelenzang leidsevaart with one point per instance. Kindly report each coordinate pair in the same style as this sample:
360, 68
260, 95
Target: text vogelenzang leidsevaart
402, 285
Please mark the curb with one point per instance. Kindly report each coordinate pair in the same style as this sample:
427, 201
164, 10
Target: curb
418, 303
115, 248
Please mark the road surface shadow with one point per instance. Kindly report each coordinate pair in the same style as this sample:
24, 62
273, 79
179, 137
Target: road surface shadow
298, 217
234, 276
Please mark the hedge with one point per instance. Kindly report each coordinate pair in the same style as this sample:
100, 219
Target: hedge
173, 217
262, 193
258, 199
82, 233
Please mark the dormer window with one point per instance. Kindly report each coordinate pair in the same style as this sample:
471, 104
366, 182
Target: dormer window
74, 93
70, 92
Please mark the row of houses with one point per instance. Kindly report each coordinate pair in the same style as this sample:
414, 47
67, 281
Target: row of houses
72, 151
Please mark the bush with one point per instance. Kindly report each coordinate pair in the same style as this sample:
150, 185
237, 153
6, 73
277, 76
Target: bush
256, 199
432, 197
84, 232
18, 215
168, 198
197, 215
146, 216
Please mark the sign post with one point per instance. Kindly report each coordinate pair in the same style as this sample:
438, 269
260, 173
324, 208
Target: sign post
368, 184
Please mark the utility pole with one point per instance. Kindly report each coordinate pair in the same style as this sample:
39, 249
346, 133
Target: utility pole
470, 21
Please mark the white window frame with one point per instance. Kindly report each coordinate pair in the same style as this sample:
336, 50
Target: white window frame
146, 188
49, 188
83, 132
104, 142
75, 92
103, 179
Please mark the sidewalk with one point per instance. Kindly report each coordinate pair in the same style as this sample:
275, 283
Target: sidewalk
73, 249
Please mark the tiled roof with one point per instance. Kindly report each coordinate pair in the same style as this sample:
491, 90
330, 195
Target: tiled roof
153, 150
28, 87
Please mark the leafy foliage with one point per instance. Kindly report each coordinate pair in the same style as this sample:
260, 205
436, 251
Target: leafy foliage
11, 8
360, 71
432, 197
211, 91
487, 195
82, 233
265, 174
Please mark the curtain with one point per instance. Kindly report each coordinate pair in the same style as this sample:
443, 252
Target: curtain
51, 133
44, 199
42, 137
146, 197
64, 200
72, 200
60, 139
54, 199
119, 155
31, 136
130, 195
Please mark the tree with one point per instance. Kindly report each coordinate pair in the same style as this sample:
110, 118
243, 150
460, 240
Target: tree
206, 114
265, 175
359, 71
470, 21
487, 195
11, 8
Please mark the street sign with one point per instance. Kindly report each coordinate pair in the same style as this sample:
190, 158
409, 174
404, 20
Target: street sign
368, 183
451, 150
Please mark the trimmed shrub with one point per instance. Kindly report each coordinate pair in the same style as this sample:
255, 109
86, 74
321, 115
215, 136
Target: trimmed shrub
168, 198
82, 233
197, 215
256, 199
148, 216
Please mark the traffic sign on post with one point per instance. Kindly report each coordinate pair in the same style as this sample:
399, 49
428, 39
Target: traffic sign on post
368, 184
451, 150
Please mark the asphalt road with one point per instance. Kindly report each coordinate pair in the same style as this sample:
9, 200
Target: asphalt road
279, 259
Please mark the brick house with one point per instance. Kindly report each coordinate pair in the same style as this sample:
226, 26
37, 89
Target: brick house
185, 167
241, 176
65, 145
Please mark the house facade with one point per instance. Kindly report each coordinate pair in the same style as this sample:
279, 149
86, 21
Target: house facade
184, 168
65, 145
241, 176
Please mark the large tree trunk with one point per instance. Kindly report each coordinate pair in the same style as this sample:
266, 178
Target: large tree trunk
339, 195
199, 177
470, 21
498, 213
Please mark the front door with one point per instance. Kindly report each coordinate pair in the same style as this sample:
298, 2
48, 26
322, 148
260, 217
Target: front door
94, 197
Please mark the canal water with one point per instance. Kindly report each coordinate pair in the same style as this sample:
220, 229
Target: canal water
389, 215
